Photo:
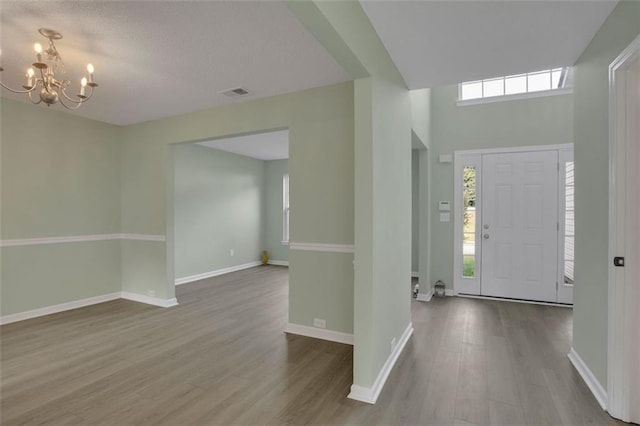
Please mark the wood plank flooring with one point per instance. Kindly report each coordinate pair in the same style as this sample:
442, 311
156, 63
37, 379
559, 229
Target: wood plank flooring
220, 358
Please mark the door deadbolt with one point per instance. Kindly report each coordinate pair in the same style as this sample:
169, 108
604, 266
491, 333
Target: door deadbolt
485, 236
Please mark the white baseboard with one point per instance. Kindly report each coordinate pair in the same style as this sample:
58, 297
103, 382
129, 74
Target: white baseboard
319, 333
21, 316
415, 274
501, 299
155, 301
204, 275
425, 297
592, 383
48, 310
370, 395
278, 262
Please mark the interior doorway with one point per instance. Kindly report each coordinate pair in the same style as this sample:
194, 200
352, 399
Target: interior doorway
229, 204
513, 216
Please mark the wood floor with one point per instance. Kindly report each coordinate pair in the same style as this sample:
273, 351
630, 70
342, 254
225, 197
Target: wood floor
220, 357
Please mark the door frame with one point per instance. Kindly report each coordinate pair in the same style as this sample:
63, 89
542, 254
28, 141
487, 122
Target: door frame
620, 333
474, 158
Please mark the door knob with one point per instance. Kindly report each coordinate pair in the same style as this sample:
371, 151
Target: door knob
485, 236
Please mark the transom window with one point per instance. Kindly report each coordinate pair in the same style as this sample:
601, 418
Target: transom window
539, 81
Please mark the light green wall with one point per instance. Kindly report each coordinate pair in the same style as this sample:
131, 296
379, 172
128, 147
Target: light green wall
421, 115
592, 180
274, 171
320, 123
382, 179
60, 177
60, 173
391, 218
415, 232
421, 138
219, 206
536, 121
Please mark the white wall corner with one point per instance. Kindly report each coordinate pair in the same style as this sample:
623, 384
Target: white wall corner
319, 333
425, 297
205, 275
155, 301
370, 395
48, 310
278, 262
592, 383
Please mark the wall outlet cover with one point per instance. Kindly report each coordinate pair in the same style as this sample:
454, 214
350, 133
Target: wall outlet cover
320, 323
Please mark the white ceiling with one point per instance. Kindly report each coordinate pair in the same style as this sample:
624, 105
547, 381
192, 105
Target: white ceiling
160, 59
435, 43
262, 146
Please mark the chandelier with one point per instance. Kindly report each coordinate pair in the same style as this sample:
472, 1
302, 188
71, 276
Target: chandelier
42, 76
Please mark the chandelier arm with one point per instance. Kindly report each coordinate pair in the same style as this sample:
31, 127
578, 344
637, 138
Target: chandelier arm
32, 101
78, 105
18, 91
80, 101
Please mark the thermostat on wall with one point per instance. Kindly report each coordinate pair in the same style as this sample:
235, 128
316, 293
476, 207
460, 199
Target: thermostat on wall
444, 206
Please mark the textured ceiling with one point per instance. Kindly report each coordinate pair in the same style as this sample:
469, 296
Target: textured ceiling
261, 146
434, 43
160, 59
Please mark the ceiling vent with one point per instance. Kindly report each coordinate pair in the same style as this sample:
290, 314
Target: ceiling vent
236, 92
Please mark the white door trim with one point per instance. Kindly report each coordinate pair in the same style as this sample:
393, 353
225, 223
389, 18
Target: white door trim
516, 149
474, 157
619, 362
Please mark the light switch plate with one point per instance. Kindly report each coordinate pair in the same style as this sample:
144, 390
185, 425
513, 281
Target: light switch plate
444, 217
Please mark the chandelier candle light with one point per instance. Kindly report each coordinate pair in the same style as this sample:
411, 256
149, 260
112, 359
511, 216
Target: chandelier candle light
50, 87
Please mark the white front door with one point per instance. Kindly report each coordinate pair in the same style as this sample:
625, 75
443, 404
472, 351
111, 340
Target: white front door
519, 233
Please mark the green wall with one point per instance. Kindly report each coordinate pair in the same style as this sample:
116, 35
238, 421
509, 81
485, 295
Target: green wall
320, 123
274, 171
592, 179
415, 168
383, 120
535, 121
219, 206
60, 177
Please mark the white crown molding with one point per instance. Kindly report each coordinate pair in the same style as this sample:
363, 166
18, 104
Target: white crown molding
163, 303
79, 239
48, 310
370, 395
592, 383
205, 275
278, 262
319, 333
330, 248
